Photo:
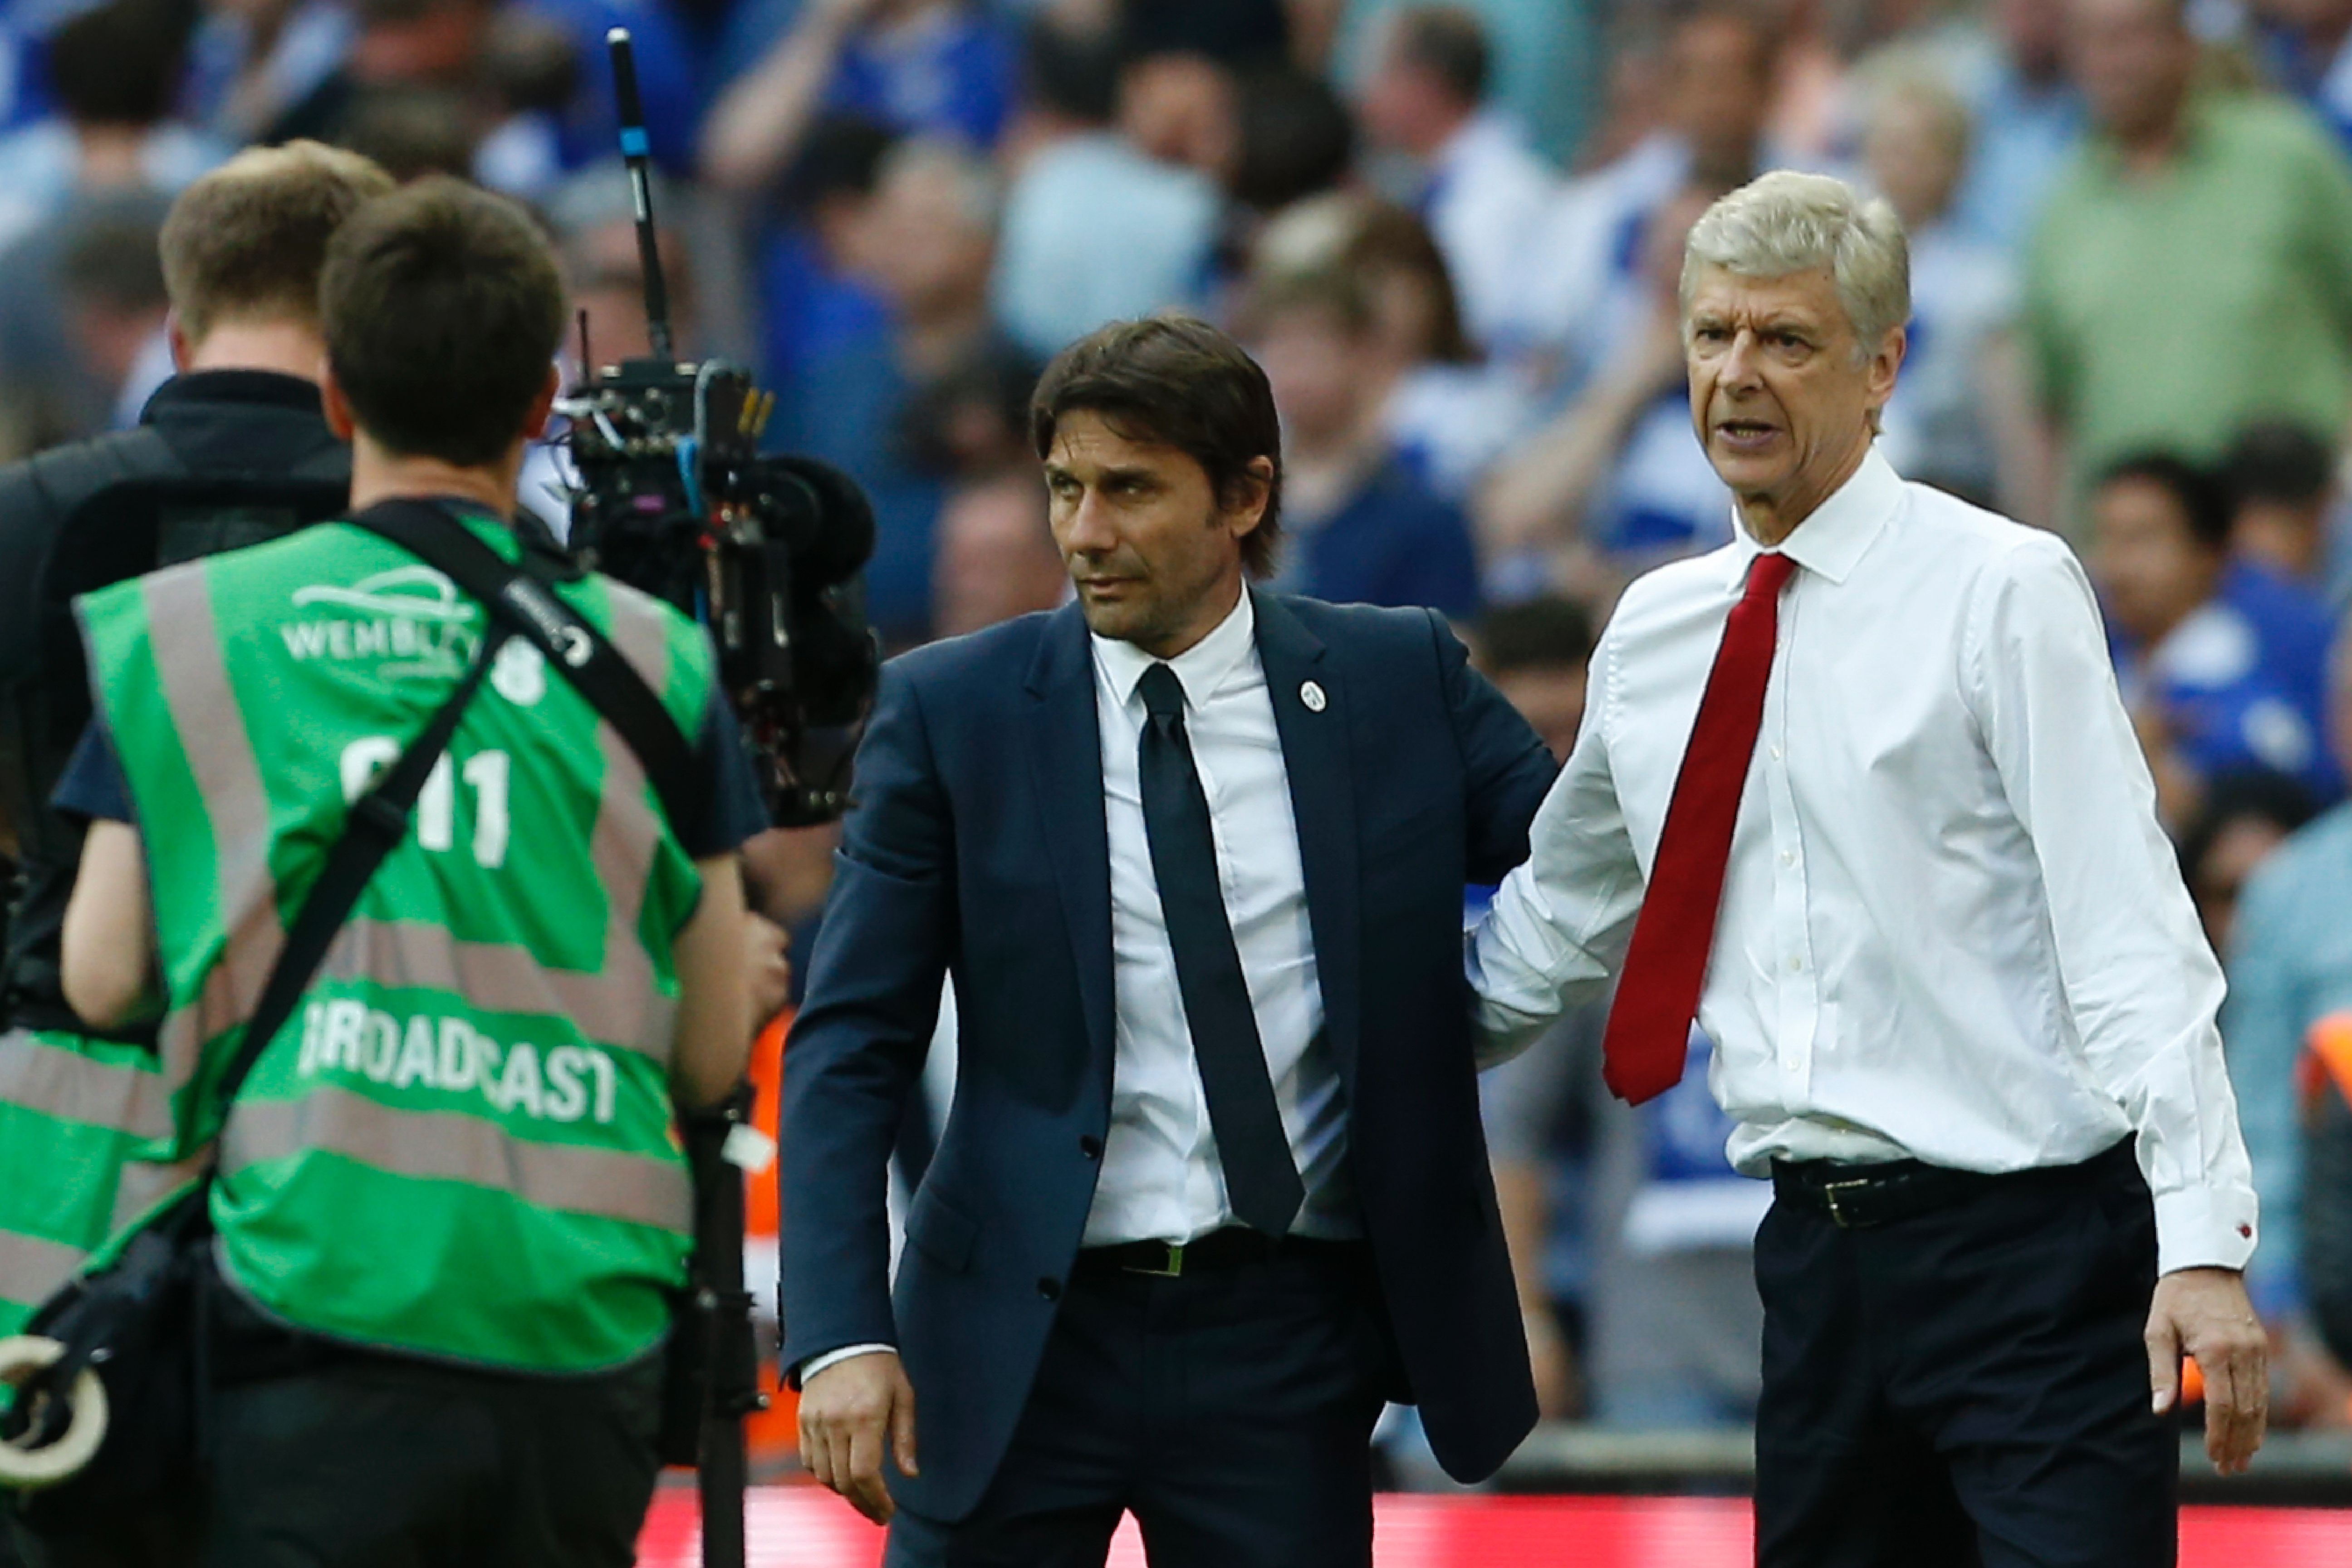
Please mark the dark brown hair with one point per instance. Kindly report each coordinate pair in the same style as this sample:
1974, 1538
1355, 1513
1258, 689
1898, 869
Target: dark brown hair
1390, 239
250, 238
1174, 381
443, 308
1447, 42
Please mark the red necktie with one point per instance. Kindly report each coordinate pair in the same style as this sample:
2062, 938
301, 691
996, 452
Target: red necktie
1648, 1037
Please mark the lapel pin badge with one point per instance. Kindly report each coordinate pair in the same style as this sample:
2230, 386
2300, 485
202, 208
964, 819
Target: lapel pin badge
1312, 695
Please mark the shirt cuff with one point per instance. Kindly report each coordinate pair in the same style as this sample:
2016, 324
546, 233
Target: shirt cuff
817, 1363
2204, 1227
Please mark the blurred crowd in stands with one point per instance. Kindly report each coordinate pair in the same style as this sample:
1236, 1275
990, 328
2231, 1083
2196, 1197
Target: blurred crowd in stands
1452, 234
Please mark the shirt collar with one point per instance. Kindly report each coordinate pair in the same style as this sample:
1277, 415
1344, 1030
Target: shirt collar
213, 387
1834, 538
1199, 669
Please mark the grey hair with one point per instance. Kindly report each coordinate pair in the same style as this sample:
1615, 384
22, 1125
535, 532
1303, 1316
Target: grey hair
1785, 222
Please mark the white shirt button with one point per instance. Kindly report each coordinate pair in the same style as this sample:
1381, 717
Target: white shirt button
1776, 753
1795, 966
1788, 857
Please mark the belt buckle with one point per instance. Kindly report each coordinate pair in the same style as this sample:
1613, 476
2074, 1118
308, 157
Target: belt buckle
1175, 1263
1838, 1215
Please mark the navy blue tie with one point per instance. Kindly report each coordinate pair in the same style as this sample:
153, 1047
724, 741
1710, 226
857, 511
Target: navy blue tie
1261, 1180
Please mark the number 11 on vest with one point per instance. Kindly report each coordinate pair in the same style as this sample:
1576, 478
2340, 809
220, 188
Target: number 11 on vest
484, 773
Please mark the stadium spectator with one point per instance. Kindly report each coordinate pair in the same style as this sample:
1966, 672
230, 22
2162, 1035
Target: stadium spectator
2283, 503
2289, 967
1675, 1316
593, 216
1362, 527
412, 128
1180, 90
2306, 47
2327, 1172
531, 76
1294, 139
114, 69
939, 67
2193, 269
1476, 184
1958, 418
56, 392
1631, 106
395, 45
1616, 482
1589, 273
995, 557
1449, 415
809, 263
2216, 681
927, 249
2028, 117
1095, 229
1814, 118
250, 63
114, 309
2242, 820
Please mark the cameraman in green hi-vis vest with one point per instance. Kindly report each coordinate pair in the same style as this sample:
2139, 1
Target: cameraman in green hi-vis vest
450, 1199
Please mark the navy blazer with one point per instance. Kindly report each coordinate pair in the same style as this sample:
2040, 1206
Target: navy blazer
977, 850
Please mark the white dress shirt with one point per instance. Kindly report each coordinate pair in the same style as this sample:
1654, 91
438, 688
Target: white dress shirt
1951, 929
1161, 1180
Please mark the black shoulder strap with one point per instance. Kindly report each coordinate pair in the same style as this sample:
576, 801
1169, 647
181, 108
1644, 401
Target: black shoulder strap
586, 658
378, 820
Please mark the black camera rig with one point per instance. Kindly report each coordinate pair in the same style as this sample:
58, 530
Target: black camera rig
675, 498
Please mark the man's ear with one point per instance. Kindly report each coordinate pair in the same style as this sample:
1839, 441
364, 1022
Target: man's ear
1885, 365
1256, 494
175, 332
333, 404
543, 406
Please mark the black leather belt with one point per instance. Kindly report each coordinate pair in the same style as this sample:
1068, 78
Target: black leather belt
1228, 1249
1857, 1198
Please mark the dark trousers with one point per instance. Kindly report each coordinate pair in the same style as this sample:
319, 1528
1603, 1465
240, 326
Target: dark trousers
1230, 1410
383, 1464
167, 1534
1966, 1386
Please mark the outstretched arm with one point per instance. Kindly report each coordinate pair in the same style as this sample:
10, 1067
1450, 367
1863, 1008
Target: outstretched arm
1560, 922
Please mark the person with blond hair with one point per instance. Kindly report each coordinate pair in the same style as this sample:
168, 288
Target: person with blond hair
233, 449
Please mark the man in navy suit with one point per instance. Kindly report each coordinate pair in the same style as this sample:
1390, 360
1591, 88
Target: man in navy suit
1213, 1186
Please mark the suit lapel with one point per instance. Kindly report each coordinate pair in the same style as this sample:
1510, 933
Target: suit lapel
1311, 712
1066, 762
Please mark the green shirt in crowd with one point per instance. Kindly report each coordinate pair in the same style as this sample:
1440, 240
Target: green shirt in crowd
2167, 308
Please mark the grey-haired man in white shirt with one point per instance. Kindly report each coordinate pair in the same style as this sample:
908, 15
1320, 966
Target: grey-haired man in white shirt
1904, 863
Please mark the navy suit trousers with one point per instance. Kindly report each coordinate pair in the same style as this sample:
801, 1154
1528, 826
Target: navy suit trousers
1230, 1410
1966, 1388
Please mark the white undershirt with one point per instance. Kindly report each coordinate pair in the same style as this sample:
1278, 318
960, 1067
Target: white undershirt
1161, 1179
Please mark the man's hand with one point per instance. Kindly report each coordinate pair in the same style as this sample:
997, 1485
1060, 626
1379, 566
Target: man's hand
847, 1412
766, 968
2204, 1312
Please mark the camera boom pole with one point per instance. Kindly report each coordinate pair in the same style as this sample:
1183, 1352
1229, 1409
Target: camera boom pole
636, 150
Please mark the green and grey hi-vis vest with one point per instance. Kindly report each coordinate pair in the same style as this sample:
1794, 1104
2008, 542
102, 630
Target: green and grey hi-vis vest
461, 1145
